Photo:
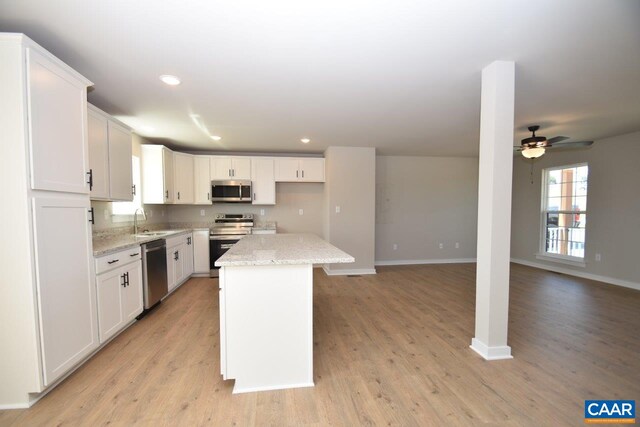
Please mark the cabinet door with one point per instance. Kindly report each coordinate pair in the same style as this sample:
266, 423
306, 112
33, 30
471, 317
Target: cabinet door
183, 171
120, 162
312, 170
287, 169
201, 251
171, 268
167, 167
188, 256
179, 263
220, 168
263, 181
65, 282
241, 168
57, 127
110, 316
132, 302
202, 178
98, 154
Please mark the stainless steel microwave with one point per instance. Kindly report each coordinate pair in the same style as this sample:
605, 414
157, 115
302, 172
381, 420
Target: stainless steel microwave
232, 191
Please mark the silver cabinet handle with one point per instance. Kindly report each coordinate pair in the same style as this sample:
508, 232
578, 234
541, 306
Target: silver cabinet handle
178, 195
208, 197
303, 173
254, 196
297, 174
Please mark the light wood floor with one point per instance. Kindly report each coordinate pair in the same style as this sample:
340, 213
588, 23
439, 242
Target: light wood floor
390, 349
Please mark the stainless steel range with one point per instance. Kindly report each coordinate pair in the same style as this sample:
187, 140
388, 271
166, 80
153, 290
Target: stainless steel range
228, 229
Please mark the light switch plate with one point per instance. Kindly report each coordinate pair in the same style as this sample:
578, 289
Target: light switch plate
337, 209
201, 212
261, 212
300, 212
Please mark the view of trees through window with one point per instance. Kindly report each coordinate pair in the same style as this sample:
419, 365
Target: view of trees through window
565, 210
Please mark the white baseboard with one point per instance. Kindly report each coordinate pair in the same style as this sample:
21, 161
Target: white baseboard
491, 353
354, 271
425, 261
605, 279
14, 406
272, 387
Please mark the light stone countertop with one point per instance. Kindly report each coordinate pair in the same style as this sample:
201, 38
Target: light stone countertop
282, 249
118, 242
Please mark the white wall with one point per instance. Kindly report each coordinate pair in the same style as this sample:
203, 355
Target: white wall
351, 174
613, 206
424, 201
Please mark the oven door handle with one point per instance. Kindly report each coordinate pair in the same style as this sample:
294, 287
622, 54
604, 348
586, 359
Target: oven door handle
236, 237
227, 246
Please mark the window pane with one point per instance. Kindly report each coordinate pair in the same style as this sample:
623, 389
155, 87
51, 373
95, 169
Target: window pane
555, 177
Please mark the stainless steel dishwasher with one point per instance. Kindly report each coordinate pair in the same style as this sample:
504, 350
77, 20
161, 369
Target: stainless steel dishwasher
154, 272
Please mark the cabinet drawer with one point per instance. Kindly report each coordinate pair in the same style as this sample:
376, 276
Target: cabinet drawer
117, 259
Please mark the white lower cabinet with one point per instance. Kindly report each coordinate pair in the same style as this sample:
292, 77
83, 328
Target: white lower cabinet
201, 251
119, 291
179, 259
66, 295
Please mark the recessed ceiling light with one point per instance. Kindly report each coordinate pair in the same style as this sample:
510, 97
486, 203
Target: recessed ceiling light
216, 137
305, 140
170, 80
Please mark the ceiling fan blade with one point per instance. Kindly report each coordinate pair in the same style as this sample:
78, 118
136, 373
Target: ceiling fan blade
556, 139
571, 144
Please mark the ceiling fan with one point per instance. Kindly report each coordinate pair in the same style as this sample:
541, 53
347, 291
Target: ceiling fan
535, 146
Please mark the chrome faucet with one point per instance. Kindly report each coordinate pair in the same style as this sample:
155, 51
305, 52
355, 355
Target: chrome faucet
135, 219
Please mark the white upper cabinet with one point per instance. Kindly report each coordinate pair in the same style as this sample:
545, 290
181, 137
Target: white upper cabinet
157, 175
98, 154
223, 168
263, 181
304, 169
183, 173
202, 180
312, 170
109, 157
120, 178
57, 109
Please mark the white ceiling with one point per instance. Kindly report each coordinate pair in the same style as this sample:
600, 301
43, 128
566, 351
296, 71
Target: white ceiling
403, 76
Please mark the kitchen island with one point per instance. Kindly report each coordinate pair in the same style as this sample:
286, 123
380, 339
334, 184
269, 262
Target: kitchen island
266, 309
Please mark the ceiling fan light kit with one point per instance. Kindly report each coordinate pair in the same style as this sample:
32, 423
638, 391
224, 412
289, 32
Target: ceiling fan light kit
533, 153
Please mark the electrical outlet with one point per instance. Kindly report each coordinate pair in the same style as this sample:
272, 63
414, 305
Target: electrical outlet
598, 257
457, 245
150, 213
441, 245
162, 214
337, 209
300, 212
261, 212
395, 247
201, 212
106, 214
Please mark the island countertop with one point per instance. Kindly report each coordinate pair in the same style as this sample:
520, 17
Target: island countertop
282, 249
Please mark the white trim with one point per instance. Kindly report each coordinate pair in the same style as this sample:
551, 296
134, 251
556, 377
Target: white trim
574, 261
490, 353
604, 279
237, 390
6, 406
358, 271
425, 261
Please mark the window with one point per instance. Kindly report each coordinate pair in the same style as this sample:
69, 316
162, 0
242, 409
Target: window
123, 211
564, 212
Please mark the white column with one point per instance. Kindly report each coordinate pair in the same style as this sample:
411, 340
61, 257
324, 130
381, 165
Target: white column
494, 211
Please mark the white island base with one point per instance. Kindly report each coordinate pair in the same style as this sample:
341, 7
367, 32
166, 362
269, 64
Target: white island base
266, 309
266, 341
